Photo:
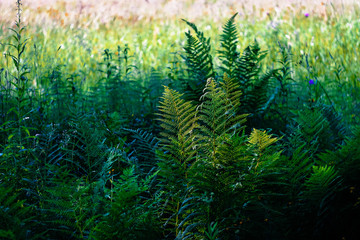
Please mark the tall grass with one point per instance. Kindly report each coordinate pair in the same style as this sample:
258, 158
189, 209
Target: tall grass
322, 42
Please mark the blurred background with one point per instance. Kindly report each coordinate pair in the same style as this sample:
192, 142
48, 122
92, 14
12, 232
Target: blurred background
97, 12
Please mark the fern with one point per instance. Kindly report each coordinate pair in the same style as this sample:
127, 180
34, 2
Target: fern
14, 215
314, 129
321, 188
244, 69
71, 208
224, 169
177, 154
346, 158
205, 130
83, 146
321, 183
233, 95
261, 140
346, 161
248, 68
216, 112
193, 212
232, 91
199, 62
300, 165
129, 214
228, 42
282, 99
178, 122
144, 146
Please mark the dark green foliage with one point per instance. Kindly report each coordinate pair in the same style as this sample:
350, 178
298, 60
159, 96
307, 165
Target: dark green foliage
317, 126
73, 167
199, 62
130, 214
242, 68
14, 215
214, 184
229, 42
144, 145
116, 76
248, 69
346, 160
71, 207
178, 121
232, 181
83, 146
216, 112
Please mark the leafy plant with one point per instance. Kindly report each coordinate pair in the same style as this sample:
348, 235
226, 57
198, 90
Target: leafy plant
244, 69
130, 215
14, 215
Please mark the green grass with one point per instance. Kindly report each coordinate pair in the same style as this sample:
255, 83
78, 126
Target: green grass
329, 45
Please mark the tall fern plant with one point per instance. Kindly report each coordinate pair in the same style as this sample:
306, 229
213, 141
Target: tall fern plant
178, 121
199, 62
193, 138
244, 68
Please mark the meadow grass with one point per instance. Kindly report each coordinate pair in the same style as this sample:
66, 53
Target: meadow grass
78, 43
74, 35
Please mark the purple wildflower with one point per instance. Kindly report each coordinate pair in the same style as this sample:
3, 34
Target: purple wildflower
306, 14
311, 82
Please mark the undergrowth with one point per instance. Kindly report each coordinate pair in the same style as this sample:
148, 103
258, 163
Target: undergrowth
230, 148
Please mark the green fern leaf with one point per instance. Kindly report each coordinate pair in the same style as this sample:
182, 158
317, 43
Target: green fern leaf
199, 62
229, 40
261, 140
178, 121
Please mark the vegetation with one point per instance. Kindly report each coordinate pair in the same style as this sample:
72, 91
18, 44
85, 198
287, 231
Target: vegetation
246, 141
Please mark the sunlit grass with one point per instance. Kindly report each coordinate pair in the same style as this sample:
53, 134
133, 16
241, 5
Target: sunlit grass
323, 36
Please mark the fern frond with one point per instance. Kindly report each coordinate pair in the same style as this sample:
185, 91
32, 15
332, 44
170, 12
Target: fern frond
216, 114
346, 158
129, 213
144, 145
232, 91
261, 140
320, 189
314, 128
14, 215
300, 166
178, 121
321, 182
257, 96
229, 39
247, 66
284, 75
71, 207
214, 109
84, 145
193, 216
199, 62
